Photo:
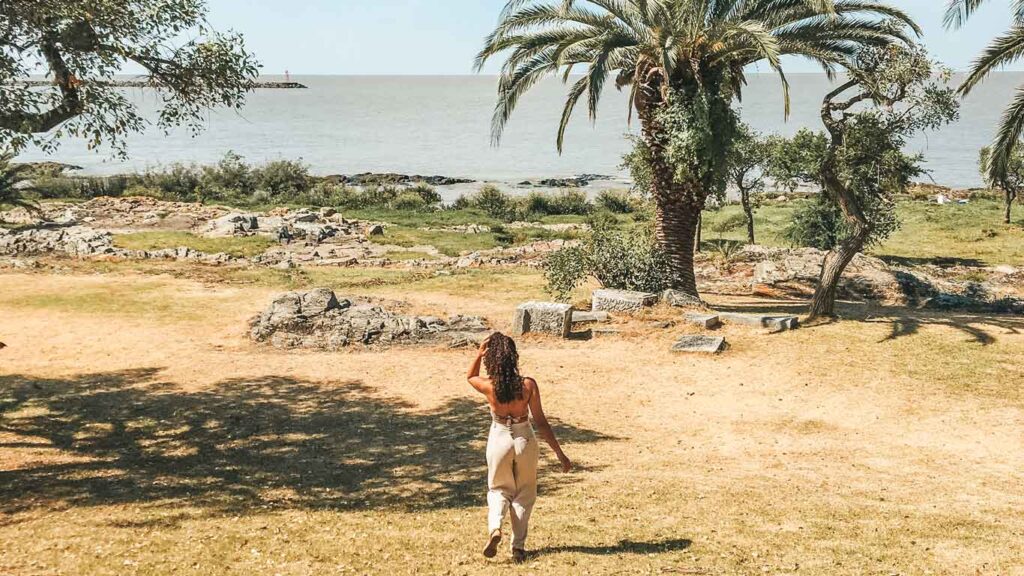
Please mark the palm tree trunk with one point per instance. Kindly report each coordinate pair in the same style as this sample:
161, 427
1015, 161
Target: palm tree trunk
676, 232
700, 230
749, 211
823, 303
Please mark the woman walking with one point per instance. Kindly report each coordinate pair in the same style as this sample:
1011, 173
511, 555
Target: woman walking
512, 449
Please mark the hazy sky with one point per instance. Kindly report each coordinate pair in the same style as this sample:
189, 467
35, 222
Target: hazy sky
442, 36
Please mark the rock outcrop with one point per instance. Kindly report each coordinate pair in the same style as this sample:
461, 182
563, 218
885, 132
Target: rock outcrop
318, 319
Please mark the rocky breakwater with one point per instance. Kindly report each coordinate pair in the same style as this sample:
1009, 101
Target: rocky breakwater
318, 319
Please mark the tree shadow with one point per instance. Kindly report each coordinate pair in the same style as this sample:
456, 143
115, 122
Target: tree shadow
273, 442
904, 321
622, 547
940, 261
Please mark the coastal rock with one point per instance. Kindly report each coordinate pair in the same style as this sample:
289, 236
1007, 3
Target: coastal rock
318, 319
234, 224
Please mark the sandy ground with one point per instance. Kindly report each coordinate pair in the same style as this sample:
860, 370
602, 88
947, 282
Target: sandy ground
145, 434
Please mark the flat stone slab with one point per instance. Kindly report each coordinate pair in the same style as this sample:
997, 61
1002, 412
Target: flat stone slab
621, 300
680, 299
774, 322
700, 344
708, 321
543, 317
604, 332
582, 316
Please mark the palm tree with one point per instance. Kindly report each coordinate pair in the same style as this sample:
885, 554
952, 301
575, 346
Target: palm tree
12, 178
1005, 49
684, 61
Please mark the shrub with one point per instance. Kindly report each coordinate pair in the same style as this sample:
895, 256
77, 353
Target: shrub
616, 201
817, 224
495, 203
537, 203
427, 192
327, 194
379, 195
570, 201
282, 178
408, 200
617, 259
461, 203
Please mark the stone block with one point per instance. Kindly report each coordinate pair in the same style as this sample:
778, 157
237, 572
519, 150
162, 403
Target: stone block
582, 316
680, 299
707, 321
621, 300
700, 344
543, 317
774, 322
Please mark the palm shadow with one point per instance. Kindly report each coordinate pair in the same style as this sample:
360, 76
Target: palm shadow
273, 442
622, 547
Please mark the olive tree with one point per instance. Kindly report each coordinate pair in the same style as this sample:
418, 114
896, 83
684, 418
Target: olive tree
1012, 180
81, 45
748, 167
891, 94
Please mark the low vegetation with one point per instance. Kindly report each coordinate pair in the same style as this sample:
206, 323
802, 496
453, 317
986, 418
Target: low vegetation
242, 247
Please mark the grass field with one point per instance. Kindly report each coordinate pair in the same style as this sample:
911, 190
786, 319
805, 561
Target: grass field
143, 434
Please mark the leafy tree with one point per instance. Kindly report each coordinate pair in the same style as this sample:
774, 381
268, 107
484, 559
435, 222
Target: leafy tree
864, 166
796, 160
82, 44
684, 61
1012, 181
748, 167
1003, 50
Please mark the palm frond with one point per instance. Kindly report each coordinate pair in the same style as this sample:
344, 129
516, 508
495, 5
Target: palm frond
1003, 50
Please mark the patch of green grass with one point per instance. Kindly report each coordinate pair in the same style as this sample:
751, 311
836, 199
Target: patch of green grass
972, 232
422, 219
448, 243
242, 247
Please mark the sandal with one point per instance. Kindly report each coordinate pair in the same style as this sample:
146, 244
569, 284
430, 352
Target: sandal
492, 545
518, 555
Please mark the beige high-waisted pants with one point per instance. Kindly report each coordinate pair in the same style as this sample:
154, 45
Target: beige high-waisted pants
512, 454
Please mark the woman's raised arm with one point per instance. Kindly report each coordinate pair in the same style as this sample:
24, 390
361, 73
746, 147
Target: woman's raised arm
473, 376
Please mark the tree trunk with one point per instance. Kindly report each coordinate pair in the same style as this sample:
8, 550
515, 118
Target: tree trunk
823, 303
676, 232
749, 211
700, 232
1010, 197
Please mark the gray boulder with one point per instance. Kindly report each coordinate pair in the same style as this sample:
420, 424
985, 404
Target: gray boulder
681, 299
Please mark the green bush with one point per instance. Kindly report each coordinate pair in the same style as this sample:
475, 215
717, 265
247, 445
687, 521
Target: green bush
409, 200
571, 201
495, 203
427, 192
537, 203
817, 224
616, 201
282, 178
461, 203
629, 260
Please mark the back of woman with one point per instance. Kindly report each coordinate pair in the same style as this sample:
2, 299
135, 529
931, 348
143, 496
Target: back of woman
512, 449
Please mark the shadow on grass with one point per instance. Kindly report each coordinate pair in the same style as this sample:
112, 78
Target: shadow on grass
270, 443
622, 547
980, 328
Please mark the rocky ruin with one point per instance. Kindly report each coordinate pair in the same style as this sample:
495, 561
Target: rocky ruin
320, 320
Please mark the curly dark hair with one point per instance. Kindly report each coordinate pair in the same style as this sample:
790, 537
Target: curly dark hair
502, 363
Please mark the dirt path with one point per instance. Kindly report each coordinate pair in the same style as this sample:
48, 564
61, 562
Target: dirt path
135, 406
